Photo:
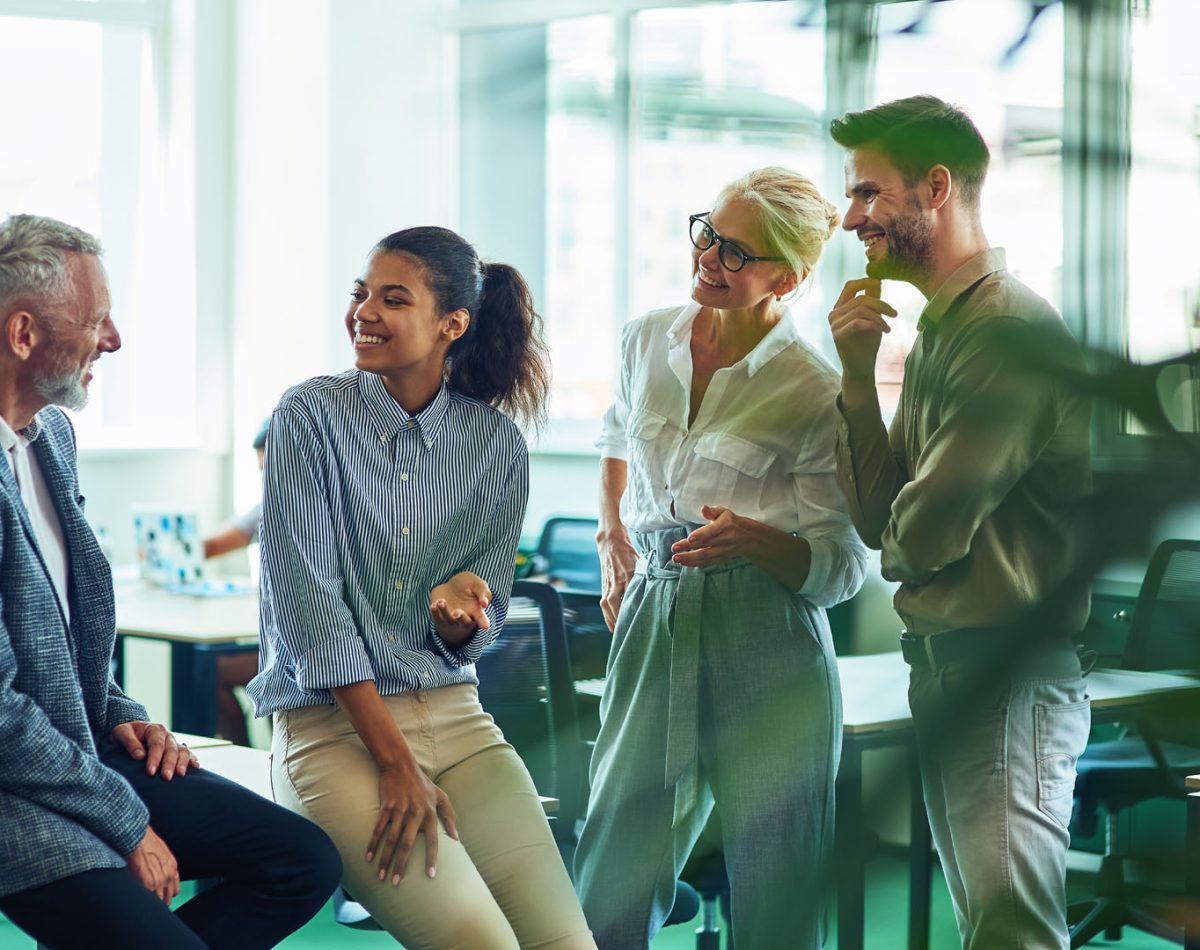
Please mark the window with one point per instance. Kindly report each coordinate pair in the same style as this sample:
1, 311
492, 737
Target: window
979, 56
711, 93
643, 117
645, 113
1164, 182
103, 131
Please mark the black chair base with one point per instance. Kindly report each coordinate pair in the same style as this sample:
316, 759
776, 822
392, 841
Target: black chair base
1114, 909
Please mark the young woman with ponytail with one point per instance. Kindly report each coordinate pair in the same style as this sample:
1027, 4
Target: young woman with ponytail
393, 500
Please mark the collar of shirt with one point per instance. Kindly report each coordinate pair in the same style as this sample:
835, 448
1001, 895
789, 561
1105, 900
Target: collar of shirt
9, 439
778, 338
391, 418
968, 274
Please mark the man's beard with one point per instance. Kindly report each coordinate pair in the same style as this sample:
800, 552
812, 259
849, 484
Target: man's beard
909, 254
60, 384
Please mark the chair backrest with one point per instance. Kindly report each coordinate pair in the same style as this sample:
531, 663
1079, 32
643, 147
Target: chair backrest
1165, 632
565, 742
567, 551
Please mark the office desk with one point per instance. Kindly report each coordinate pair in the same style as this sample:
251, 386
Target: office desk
875, 714
199, 631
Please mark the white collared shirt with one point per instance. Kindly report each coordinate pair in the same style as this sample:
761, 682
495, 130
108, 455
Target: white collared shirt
39, 506
761, 445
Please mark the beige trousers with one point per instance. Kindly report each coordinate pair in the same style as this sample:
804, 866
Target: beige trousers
502, 885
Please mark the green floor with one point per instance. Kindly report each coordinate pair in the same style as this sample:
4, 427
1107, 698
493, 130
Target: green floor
887, 889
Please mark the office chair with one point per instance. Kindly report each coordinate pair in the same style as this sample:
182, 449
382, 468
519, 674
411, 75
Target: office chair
570, 764
1164, 635
567, 553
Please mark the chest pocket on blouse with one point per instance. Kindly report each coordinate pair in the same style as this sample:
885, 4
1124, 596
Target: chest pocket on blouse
645, 425
729, 470
647, 461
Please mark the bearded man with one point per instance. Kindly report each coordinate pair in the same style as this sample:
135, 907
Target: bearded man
972, 499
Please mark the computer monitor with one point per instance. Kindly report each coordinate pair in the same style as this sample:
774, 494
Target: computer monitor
169, 549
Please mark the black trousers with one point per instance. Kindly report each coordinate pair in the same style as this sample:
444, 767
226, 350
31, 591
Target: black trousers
274, 870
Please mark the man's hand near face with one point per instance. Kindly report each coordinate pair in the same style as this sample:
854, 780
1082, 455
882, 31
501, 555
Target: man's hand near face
857, 323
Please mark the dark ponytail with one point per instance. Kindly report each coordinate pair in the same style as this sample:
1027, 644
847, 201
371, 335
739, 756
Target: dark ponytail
501, 359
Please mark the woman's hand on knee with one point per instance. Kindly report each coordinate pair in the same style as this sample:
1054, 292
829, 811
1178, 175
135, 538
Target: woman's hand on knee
409, 804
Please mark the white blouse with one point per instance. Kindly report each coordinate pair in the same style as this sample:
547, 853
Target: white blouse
762, 443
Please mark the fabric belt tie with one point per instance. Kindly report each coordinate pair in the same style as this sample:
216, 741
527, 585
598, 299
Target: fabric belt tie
683, 759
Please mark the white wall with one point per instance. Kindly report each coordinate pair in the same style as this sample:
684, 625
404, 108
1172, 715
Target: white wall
114, 483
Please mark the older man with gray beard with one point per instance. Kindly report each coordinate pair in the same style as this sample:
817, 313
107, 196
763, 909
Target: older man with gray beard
103, 811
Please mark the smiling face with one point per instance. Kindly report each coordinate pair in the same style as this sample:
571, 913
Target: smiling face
736, 220
888, 218
79, 331
393, 320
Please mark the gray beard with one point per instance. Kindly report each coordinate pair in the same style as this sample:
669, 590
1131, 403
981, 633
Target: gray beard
62, 389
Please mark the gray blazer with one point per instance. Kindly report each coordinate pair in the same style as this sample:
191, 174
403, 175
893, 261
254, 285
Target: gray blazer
61, 811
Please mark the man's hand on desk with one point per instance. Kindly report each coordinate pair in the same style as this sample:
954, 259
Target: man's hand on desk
153, 742
152, 863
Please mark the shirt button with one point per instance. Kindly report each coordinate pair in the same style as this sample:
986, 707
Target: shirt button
404, 476
399, 585
404, 530
392, 637
382, 437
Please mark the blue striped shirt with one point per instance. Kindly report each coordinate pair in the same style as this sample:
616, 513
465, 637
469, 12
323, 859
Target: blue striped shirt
365, 510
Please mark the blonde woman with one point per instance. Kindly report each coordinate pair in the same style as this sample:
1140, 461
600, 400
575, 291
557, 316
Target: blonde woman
723, 537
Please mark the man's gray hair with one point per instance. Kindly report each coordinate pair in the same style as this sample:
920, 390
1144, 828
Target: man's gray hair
33, 256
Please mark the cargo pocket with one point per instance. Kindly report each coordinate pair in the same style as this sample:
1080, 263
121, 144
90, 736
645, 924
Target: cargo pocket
1060, 735
646, 462
720, 459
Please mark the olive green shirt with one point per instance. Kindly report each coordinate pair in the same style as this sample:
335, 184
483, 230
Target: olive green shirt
972, 496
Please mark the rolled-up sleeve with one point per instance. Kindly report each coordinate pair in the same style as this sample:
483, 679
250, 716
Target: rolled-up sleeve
494, 560
303, 600
839, 558
613, 441
870, 468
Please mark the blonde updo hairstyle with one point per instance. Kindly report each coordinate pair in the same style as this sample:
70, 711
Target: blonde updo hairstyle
794, 216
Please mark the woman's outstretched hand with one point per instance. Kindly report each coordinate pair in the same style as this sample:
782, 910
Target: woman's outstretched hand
458, 607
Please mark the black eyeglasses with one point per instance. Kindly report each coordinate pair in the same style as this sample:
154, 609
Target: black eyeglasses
732, 257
